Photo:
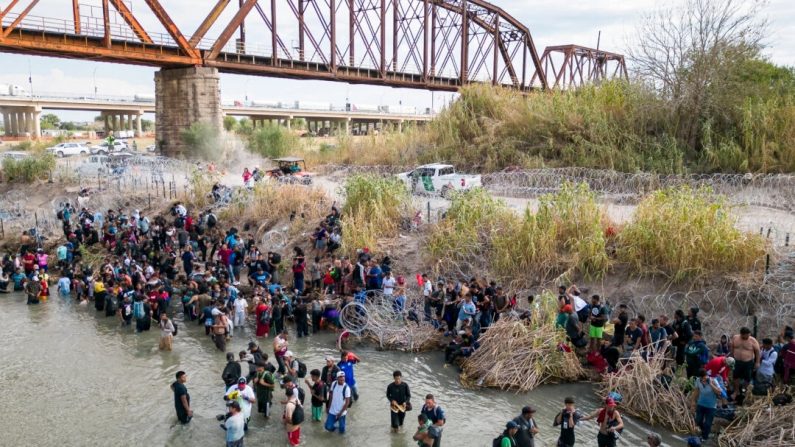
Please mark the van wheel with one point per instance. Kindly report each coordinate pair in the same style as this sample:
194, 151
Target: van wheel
60, 154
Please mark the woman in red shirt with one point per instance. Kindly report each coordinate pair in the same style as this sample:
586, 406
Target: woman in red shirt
263, 323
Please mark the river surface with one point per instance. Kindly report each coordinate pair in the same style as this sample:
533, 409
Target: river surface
72, 377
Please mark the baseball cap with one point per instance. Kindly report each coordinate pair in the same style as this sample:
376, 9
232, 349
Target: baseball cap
610, 402
528, 409
241, 380
288, 354
329, 358
730, 362
341, 374
567, 308
511, 424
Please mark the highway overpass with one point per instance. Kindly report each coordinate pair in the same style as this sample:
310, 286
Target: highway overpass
22, 113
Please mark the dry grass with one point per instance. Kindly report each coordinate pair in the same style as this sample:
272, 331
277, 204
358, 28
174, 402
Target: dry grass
686, 234
521, 356
271, 201
374, 207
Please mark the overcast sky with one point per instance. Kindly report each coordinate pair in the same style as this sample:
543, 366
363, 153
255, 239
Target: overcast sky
551, 22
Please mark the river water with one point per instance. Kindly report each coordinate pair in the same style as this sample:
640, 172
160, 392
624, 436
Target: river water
72, 377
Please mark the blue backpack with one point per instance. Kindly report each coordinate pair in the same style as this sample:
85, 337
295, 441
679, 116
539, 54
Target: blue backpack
138, 310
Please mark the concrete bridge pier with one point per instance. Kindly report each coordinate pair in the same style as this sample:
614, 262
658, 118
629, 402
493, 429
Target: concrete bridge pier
22, 121
184, 96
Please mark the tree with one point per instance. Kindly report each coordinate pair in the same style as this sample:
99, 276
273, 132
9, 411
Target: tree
686, 55
50, 121
147, 125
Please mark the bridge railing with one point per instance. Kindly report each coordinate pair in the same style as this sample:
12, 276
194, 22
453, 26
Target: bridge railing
89, 27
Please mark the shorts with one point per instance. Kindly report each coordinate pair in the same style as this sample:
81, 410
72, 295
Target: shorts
294, 437
595, 332
743, 370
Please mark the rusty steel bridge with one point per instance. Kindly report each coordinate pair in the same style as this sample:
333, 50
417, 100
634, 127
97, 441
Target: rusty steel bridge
424, 44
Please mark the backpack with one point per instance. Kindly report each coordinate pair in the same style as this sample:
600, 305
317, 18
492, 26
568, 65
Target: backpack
276, 259
497, 442
298, 415
138, 310
211, 220
176, 329
301, 369
264, 317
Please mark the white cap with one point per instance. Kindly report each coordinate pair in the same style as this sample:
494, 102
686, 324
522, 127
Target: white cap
288, 354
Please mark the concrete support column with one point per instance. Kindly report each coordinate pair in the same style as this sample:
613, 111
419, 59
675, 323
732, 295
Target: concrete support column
400, 125
107, 123
115, 122
36, 124
348, 126
23, 123
122, 121
7, 123
139, 130
15, 124
185, 96
287, 122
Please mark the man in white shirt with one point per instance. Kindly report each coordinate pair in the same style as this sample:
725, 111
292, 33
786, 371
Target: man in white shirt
340, 395
244, 396
388, 284
241, 305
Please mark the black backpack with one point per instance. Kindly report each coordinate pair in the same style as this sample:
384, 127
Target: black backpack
176, 329
497, 442
298, 415
211, 221
301, 369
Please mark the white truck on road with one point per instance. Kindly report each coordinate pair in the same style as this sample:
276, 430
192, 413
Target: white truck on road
438, 178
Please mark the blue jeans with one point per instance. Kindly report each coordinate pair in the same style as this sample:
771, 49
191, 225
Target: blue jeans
704, 418
332, 420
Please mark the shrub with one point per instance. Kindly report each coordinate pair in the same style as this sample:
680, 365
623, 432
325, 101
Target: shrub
271, 141
374, 208
29, 169
687, 233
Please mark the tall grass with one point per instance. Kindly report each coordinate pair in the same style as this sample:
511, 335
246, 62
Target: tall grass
613, 126
374, 207
565, 234
386, 148
27, 170
687, 234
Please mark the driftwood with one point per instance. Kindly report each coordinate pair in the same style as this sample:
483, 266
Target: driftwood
761, 424
645, 397
515, 355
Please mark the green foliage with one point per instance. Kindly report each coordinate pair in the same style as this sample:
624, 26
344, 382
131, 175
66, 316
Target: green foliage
202, 140
687, 234
271, 141
374, 207
50, 121
29, 169
230, 123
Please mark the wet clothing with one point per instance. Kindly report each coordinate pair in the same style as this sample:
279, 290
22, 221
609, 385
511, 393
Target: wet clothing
179, 391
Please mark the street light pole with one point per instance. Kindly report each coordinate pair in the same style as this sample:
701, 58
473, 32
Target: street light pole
95, 82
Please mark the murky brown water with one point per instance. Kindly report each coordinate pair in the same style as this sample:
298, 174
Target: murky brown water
71, 377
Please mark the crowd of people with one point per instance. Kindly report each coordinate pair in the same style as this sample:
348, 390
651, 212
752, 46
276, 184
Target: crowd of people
721, 373
219, 278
